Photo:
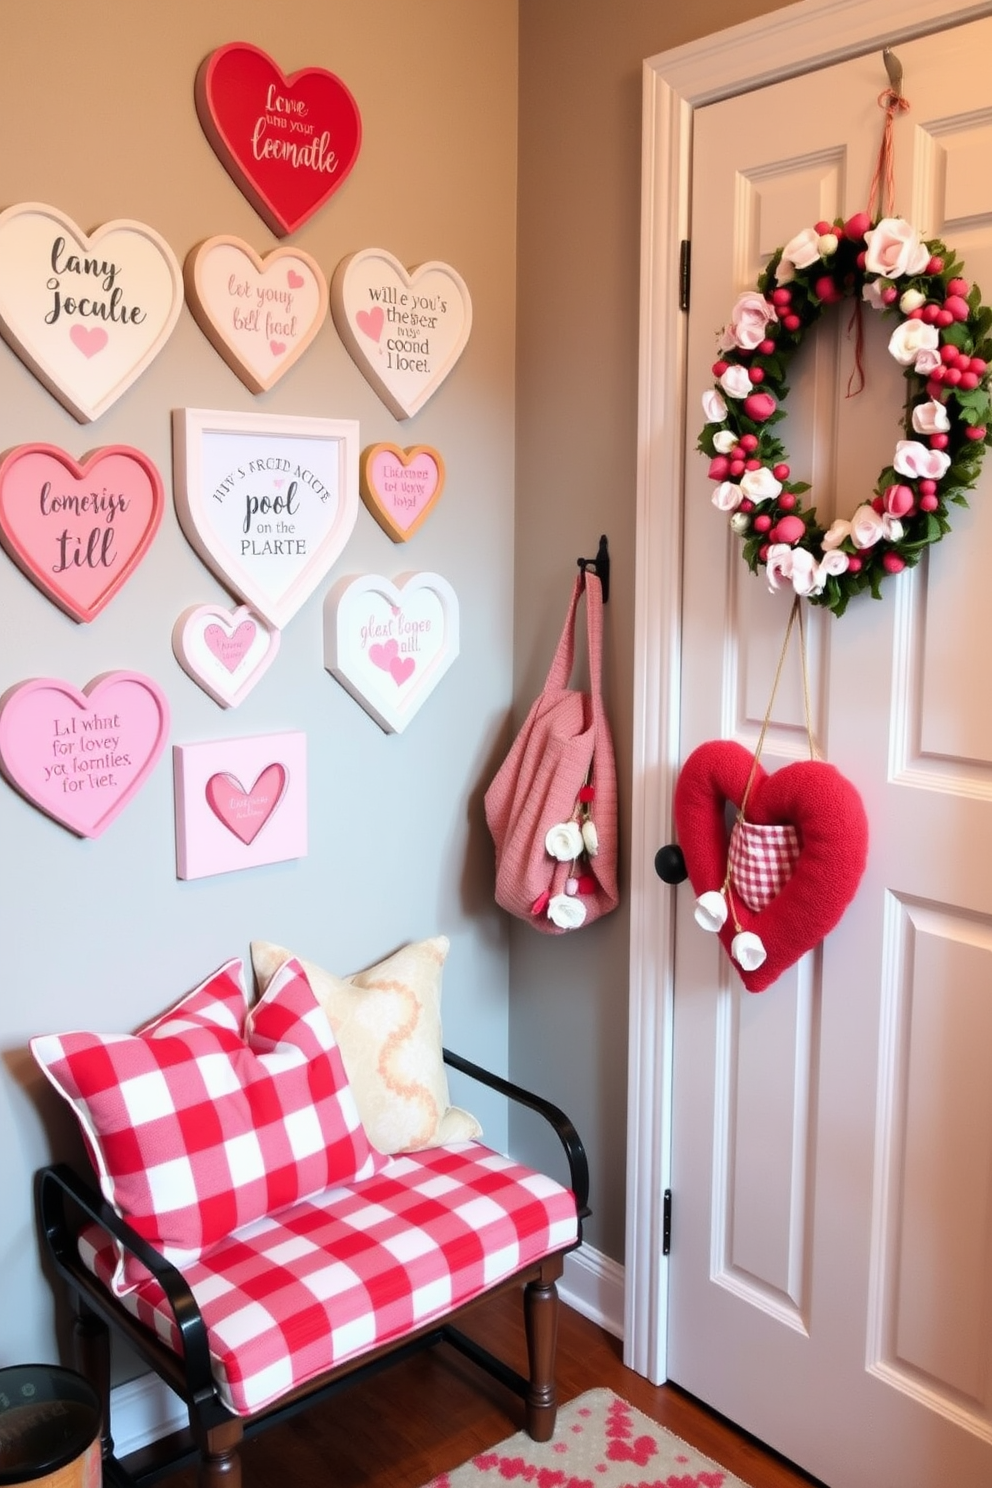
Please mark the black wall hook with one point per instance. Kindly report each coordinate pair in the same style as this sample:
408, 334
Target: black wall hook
600, 566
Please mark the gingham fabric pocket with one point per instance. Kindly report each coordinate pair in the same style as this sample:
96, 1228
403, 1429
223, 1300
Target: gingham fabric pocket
762, 860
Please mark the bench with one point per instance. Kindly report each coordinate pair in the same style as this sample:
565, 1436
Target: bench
289, 1308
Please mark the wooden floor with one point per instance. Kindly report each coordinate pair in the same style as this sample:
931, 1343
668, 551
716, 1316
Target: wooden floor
431, 1413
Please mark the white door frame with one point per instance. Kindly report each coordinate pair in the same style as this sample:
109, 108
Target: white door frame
783, 44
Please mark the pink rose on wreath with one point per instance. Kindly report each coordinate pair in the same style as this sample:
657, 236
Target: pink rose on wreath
760, 406
910, 338
838, 531
760, 485
800, 252
796, 565
899, 501
714, 408
895, 248
736, 382
914, 459
727, 496
749, 321
869, 527
931, 418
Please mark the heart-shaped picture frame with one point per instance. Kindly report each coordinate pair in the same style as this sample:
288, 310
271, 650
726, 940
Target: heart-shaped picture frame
79, 529
401, 487
240, 803
404, 328
226, 652
389, 644
268, 501
259, 311
829, 819
288, 141
86, 312
81, 756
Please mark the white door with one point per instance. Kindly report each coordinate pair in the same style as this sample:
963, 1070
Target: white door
831, 1269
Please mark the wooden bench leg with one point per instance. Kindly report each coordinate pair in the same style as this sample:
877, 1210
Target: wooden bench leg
220, 1456
541, 1326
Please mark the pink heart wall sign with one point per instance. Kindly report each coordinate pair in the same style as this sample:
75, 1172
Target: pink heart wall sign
240, 803
401, 487
80, 757
288, 142
226, 652
78, 530
404, 329
389, 644
87, 313
245, 812
260, 313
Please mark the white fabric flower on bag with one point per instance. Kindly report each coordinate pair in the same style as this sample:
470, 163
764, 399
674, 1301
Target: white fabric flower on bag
590, 837
747, 950
565, 912
711, 910
564, 841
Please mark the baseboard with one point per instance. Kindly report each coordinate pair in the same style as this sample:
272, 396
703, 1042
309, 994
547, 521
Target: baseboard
144, 1409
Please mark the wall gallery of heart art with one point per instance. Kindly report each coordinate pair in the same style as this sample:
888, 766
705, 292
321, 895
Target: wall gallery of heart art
267, 501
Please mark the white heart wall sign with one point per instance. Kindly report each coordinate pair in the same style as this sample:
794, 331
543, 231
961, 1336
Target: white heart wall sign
260, 312
389, 644
87, 313
404, 329
226, 652
268, 501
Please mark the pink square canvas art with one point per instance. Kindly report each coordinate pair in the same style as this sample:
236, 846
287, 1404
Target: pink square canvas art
240, 803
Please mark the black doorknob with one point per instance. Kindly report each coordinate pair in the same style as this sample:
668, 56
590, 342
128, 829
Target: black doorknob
669, 864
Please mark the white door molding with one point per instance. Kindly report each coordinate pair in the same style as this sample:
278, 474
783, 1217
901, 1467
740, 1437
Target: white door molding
786, 43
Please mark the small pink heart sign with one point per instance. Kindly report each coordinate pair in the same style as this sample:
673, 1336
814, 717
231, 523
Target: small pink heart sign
79, 529
389, 644
240, 803
245, 812
401, 487
81, 756
225, 651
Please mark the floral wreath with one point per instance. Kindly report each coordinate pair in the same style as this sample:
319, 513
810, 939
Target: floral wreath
942, 338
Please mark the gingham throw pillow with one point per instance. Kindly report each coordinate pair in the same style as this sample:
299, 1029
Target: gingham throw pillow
212, 1116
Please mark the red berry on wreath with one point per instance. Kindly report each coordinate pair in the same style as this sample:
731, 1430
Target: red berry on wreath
975, 432
893, 563
957, 306
927, 487
781, 296
787, 501
781, 473
789, 530
855, 227
976, 365
791, 322
929, 503
969, 381
719, 468
938, 441
935, 266
766, 348
958, 287
854, 564
756, 374
944, 318
759, 406
749, 442
762, 523
736, 469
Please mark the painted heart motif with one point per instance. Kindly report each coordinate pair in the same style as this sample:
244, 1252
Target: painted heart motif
405, 330
830, 820
80, 757
268, 504
87, 313
245, 812
226, 652
288, 142
260, 312
78, 530
401, 487
389, 644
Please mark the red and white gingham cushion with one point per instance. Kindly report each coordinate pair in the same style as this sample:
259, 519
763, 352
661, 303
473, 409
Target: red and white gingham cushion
294, 1294
762, 860
212, 1116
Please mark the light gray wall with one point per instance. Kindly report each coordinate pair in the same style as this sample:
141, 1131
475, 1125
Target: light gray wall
97, 119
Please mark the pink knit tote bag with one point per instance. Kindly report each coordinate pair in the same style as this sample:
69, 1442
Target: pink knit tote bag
560, 770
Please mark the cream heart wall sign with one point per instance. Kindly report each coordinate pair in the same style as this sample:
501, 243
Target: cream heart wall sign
260, 312
226, 652
389, 644
78, 530
87, 313
404, 329
401, 487
268, 501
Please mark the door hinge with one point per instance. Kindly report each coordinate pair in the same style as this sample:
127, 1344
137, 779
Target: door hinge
685, 256
666, 1223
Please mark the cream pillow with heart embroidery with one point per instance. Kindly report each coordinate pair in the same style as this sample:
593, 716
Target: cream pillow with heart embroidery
387, 1024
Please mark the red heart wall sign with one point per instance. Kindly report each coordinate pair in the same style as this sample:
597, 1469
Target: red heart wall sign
287, 142
829, 817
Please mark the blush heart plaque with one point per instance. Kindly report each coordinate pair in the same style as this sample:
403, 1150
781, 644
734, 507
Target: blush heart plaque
240, 803
260, 312
401, 487
830, 826
226, 652
287, 141
268, 501
80, 757
389, 644
87, 313
245, 812
78, 529
404, 329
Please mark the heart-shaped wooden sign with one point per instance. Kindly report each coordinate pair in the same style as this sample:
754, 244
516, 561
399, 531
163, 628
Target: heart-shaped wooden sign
389, 644
260, 312
226, 652
86, 312
832, 830
267, 502
82, 756
405, 329
288, 142
78, 530
401, 487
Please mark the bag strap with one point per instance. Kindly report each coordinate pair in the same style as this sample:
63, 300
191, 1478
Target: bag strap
564, 657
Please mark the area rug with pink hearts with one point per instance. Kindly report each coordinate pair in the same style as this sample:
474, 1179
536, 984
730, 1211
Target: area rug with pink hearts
599, 1442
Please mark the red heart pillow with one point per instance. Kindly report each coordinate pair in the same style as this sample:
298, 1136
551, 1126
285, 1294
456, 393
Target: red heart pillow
828, 815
